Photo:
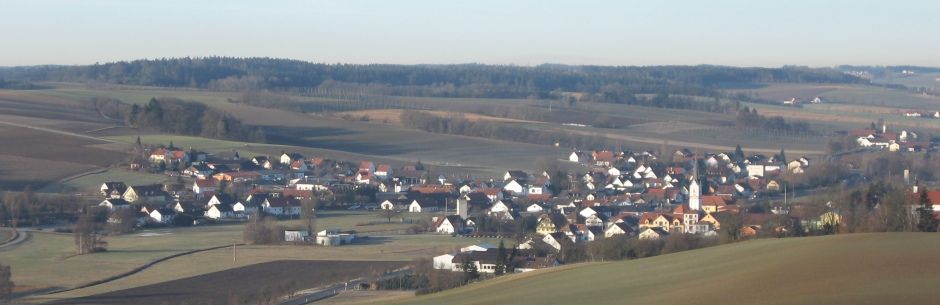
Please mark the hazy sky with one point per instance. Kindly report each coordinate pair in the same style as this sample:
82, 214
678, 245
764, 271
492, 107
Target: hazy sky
648, 32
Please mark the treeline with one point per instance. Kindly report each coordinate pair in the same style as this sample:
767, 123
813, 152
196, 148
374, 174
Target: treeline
26, 208
665, 100
463, 80
176, 116
457, 125
748, 118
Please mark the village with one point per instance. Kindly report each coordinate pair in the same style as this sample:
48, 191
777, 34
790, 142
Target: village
622, 194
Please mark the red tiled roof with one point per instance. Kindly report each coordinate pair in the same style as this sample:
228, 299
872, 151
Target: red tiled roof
603, 155
206, 182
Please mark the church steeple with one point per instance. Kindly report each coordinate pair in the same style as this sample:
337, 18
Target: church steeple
695, 191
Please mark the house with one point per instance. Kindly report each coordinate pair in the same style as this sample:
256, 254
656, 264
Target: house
550, 223
713, 204
244, 208
299, 165
387, 205
198, 170
620, 228
383, 171
451, 224
201, 186
288, 158
653, 233
220, 211
515, 188
516, 175
602, 157
534, 208
115, 203
575, 156
220, 199
145, 193
113, 189
557, 240
280, 206
163, 215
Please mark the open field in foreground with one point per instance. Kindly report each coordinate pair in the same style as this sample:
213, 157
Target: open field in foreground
247, 285
887, 268
42, 260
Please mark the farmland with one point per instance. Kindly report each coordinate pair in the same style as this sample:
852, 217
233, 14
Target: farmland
823, 270
42, 259
249, 284
35, 157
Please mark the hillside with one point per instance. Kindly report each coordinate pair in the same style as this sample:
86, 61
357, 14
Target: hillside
843, 269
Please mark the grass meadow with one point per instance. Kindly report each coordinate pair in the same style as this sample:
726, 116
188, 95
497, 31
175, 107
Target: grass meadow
884, 268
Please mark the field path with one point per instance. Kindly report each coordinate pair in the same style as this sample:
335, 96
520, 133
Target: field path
62, 132
133, 271
18, 238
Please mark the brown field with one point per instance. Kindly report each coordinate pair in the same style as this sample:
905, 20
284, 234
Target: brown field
35, 157
249, 284
393, 116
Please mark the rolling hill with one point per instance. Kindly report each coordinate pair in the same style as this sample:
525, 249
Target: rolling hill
888, 268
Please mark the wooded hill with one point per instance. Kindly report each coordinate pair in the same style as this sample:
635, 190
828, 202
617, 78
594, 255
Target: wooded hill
462, 80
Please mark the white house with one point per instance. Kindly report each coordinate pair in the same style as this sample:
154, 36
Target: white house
163, 215
450, 225
243, 208
499, 207
281, 206
575, 157
555, 239
755, 170
534, 208
619, 229
201, 186
114, 204
653, 233
220, 211
515, 188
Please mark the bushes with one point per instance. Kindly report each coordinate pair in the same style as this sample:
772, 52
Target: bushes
263, 231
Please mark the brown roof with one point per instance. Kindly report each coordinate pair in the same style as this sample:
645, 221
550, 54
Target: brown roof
603, 155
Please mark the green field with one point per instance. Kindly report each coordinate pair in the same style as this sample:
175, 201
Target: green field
42, 260
887, 268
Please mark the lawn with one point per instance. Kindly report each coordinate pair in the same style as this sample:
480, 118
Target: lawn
886, 268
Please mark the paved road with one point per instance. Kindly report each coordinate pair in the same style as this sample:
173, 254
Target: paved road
21, 236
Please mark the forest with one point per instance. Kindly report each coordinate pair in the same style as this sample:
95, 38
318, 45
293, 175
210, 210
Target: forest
459, 80
180, 117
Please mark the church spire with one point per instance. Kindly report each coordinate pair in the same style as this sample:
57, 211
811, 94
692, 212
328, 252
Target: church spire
695, 191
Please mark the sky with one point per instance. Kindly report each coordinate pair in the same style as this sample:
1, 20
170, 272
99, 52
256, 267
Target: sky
734, 33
